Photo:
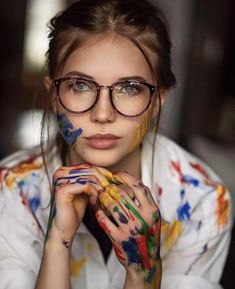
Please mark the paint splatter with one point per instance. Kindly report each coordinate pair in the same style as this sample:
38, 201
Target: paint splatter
131, 249
76, 266
204, 250
222, 210
200, 169
121, 217
67, 130
141, 129
184, 209
172, 233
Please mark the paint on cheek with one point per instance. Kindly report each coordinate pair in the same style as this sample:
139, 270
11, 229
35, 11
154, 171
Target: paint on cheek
141, 130
67, 130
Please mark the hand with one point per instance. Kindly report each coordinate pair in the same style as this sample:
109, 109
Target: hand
73, 187
136, 234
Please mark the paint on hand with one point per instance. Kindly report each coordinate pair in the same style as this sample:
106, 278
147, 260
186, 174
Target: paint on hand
144, 227
67, 130
106, 200
121, 217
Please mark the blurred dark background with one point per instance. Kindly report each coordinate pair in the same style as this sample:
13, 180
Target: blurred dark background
199, 113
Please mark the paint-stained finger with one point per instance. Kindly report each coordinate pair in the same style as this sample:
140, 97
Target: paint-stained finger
137, 187
107, 225
66, 194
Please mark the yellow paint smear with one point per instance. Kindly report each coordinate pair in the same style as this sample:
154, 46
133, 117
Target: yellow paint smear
106, 200
76, 266
113, 178
113, 191
222, 209
141, 130
172, 233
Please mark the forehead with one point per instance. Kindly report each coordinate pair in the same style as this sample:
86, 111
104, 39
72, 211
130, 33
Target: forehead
108, 58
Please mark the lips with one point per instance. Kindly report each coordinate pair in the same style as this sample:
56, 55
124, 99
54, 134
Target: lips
102, 141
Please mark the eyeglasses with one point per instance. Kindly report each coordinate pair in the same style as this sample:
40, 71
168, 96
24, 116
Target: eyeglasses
129, 98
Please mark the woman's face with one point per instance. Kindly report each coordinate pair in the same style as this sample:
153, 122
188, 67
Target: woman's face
105, 60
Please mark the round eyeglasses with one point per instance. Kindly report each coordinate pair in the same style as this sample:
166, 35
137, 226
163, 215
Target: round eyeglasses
129, 98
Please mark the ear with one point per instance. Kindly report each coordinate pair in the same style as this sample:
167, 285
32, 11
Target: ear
162, 97
48, 85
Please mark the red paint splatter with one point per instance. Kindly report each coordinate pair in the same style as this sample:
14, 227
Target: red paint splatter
159, 191
200, 169
176, 167
156, 229
102, 224
119, 253
141, 242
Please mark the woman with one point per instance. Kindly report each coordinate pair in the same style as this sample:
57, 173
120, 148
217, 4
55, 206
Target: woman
109, 72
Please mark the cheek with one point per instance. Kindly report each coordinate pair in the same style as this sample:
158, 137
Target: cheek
69, 133
140, 130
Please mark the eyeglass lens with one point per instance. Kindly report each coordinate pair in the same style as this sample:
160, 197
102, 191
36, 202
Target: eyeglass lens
129, 97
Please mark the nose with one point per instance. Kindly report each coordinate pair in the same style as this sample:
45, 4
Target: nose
103, 111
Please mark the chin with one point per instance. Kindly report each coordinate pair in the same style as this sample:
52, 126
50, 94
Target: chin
102, 159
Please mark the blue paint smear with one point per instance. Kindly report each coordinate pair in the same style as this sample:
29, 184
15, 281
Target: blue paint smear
130, 247
151, 275
34, 203
205, 248
80, 171
184, 212
66, 129
191, 181
122, 218
182, 193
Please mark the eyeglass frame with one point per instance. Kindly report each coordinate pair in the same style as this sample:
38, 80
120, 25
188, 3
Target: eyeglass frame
57, 83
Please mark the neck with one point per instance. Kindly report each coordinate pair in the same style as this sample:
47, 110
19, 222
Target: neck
130, 164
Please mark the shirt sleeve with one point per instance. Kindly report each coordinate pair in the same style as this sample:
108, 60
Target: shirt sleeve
19, 263
196, 243
197, 222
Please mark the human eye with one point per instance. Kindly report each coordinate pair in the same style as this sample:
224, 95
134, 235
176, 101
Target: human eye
81, 86
130, 88
78, 86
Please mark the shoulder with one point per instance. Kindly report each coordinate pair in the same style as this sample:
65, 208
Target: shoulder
180, 165
185, 187
20, 165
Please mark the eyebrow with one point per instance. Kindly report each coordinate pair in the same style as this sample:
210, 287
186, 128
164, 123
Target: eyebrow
81, 74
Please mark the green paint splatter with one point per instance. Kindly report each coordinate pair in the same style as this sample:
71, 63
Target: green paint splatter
144, 228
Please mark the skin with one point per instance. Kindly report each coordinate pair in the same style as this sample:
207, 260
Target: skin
108, 180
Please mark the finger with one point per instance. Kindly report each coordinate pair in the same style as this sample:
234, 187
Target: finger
110, 176
104, 176
118, 214
136, 214
137, 187
110, 229
65, 175
66, 194
116, 193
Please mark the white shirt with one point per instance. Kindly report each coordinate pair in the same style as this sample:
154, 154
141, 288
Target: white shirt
195, 234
